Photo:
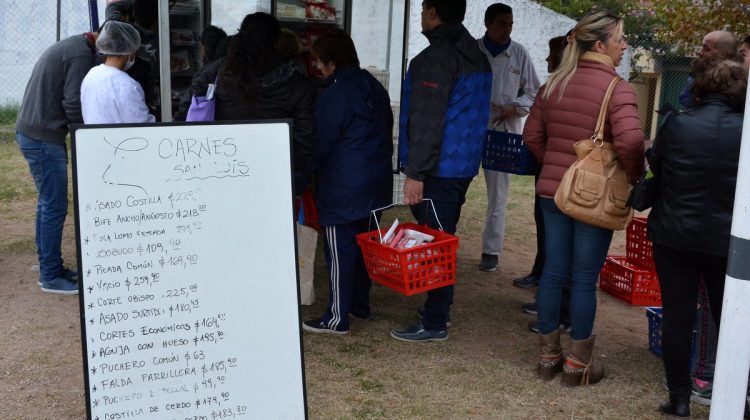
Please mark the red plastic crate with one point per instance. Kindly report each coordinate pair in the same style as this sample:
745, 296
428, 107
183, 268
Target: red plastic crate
639, 249
629, 282
415, 270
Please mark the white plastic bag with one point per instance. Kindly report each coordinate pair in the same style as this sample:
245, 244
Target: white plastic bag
307, 241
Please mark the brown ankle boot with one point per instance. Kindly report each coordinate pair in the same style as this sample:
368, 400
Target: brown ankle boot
580, 367
550, 355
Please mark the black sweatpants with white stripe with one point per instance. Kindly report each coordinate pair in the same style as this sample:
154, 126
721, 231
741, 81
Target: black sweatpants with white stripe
349, 284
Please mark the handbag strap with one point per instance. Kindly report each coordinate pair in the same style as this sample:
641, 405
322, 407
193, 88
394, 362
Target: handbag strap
600, 122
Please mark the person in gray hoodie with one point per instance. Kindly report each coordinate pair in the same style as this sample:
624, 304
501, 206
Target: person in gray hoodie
51, 102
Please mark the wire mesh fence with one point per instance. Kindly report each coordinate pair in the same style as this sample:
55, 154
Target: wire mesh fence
27, 28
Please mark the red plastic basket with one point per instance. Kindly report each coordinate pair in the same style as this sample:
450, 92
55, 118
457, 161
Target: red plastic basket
629, 282
639, 249
414, 270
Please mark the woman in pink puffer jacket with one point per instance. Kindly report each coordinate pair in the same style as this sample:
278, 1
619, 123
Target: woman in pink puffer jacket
564, 112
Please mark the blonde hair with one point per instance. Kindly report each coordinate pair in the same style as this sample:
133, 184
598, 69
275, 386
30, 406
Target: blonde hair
596, 26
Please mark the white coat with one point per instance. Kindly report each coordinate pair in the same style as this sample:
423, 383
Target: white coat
110, 96
514, 82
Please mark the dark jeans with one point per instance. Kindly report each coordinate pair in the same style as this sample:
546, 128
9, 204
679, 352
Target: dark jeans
349, 284
448, 195
573, 249
706, 338
48, 163
679, 274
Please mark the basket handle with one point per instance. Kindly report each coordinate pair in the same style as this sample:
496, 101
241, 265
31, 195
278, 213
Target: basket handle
505, 126
373, 215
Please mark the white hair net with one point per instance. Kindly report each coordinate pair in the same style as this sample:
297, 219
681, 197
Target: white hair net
118, 38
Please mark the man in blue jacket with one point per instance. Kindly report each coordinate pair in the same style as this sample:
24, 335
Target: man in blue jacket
444, 110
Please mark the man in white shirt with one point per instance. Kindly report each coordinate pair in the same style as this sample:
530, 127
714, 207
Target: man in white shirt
514, 86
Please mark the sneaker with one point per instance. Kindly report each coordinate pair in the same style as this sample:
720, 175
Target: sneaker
448, 322
489, 262
701, 392
529, 308
67, 273
60, 285
417, 332
526, 282
317, 326
534, 327
70, 274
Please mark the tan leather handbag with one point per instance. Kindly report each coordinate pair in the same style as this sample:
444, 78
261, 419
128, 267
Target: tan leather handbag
595, 189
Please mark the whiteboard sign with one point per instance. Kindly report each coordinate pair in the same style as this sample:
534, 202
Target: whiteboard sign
188, 279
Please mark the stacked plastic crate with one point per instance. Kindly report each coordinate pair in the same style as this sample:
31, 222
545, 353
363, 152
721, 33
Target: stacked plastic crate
632, 277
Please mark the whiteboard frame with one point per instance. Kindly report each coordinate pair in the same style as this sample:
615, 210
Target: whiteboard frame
79, 256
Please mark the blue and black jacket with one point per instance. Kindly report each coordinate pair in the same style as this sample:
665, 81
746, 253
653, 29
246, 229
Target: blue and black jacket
445, 106
352, 159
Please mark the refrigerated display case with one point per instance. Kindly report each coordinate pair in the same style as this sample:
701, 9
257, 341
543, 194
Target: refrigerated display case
309, 19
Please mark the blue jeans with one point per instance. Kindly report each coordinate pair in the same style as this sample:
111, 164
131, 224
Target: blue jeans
571, 248
448, 195
48, 163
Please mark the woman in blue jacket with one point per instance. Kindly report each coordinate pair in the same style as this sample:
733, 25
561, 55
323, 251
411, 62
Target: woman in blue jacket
353, 172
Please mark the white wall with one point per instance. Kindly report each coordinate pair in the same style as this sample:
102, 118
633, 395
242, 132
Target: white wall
370, 32
533, 26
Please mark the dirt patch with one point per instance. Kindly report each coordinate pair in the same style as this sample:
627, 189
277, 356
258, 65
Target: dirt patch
484, 370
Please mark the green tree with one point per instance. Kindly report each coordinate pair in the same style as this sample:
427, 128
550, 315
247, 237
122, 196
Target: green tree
685, 22
666, 27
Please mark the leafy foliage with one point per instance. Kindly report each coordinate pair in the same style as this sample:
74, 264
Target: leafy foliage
685, 22
666, 27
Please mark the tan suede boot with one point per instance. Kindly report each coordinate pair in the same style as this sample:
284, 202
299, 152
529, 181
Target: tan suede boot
580, 366
550, 355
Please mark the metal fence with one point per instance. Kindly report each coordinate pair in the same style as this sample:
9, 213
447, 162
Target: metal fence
27, 28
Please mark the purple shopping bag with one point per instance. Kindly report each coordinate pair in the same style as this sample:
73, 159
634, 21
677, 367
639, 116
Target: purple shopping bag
203, 108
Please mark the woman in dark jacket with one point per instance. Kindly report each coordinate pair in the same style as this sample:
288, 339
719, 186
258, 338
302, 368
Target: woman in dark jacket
695, 164
353, 173
256, 83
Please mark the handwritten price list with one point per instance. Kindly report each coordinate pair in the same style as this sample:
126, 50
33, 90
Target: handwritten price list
155, 348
